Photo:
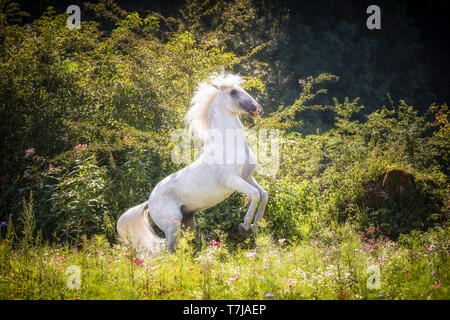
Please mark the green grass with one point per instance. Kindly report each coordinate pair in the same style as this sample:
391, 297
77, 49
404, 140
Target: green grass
336, 266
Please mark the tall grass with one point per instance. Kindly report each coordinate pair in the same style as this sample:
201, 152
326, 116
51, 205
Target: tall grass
342, 264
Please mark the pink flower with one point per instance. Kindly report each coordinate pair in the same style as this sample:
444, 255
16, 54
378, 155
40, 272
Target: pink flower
174, 221
233, 278
383, 259
272, 176
430, 248
51, 169
437, 286
217, 243
29, 152
56, 262
80, 148
138, 261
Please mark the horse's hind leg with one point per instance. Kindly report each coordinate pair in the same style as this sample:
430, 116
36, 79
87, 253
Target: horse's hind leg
167, 216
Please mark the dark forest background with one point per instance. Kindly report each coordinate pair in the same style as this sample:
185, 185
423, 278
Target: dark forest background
407, 58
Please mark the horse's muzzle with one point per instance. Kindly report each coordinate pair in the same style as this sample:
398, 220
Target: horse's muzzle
254, 110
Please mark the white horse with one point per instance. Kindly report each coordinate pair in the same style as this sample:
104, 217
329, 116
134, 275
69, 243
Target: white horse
225, 166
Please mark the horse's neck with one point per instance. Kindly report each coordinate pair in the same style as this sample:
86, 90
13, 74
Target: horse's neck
224, 122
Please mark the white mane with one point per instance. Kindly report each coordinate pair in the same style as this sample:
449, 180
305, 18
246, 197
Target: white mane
197, 116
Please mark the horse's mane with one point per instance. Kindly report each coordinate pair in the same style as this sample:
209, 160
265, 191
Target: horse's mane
197, 116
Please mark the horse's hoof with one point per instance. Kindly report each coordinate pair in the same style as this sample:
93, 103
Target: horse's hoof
252, 228
242, 231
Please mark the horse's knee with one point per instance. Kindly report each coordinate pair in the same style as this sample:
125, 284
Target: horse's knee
255, 195
264, 196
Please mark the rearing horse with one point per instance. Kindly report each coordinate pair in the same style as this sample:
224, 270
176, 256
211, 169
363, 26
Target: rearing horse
226, 165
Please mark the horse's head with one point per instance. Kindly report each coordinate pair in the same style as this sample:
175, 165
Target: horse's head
238, 100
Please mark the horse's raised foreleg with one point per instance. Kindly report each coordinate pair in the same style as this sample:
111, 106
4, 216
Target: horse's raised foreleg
262, 204
242, 186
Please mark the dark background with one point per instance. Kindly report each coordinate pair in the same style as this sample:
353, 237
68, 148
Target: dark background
409, 53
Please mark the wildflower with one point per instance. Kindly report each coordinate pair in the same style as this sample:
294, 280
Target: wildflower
261, 278
250, 254
14, 293
233, 278
79, 148
380, 296
138, 261
174, 221
76, 298
29, 152
343, 295
270, 295
383, 259
3, 224
437, 286
430, 248
281, 241
51, 169
258, 167
314, 242
272, 176
56, 262
217, 243
75, 251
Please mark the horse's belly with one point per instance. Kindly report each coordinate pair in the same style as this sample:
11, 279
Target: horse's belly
204, 198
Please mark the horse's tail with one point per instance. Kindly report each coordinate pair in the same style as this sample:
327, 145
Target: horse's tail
134, 226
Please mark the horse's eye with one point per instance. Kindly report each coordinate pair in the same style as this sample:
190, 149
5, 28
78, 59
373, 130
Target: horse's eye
233, 92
